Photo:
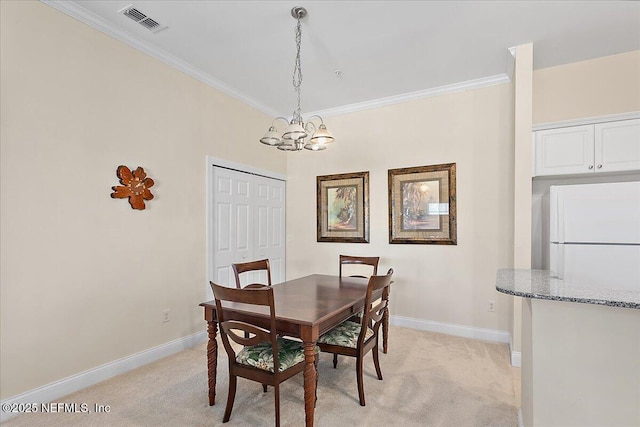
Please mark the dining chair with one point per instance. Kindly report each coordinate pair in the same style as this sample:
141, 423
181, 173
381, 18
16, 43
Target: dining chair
373, 262
360, 260
357, 339
244, 267
264, 357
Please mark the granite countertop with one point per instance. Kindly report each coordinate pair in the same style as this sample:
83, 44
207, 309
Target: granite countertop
540, 284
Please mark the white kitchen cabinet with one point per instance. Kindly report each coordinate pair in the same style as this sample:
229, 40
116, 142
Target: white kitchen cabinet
563, 151
617, 146
594, 148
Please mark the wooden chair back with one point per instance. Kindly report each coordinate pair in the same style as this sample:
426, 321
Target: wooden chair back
374, 309
243, 267
371, 260
250, 335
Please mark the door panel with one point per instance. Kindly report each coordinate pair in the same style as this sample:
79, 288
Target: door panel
270, 238
248, 224
277, 219
224, 275
243, 226
223, 218
262, 222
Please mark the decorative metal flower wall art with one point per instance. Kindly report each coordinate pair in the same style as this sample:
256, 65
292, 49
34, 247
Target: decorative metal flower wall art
135, 186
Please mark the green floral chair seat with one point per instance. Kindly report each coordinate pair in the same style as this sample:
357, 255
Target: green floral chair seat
345, 335
261, 356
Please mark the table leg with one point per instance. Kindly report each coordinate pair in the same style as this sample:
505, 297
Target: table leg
212, 360
310, 375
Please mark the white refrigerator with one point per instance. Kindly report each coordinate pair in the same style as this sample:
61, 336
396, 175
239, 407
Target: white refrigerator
595, 235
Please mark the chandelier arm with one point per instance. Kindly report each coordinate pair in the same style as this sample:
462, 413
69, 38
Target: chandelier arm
279, 118
315, 115
310, 127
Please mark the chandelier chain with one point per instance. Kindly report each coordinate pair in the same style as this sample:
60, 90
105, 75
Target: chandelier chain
297, 71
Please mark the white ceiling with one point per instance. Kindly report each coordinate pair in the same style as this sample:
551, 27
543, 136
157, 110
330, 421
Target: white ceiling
383, 48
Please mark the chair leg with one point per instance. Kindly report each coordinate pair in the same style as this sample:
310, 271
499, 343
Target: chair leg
315, 362
232, 395
264, 388
359, 378
376, 361
385, 331
276, 389
335, 360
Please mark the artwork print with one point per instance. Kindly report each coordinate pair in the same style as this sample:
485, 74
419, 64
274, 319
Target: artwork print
342, 203
342, 208
422, 205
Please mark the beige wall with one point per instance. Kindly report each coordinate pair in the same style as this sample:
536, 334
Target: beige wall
440, 283
601, 86
84, 278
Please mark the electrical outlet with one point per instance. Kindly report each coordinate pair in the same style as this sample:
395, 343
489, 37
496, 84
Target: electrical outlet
165, 315
491, 306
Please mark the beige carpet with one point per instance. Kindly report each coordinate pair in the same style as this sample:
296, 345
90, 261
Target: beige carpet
429, 380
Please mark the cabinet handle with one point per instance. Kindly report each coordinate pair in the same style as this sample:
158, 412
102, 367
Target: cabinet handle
244, 257
590, 166
599, 166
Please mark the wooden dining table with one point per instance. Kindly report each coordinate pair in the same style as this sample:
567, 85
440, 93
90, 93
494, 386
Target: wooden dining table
305, 308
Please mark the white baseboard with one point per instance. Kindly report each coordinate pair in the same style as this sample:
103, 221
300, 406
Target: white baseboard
450, 329
520, 420
58, 389
516, 359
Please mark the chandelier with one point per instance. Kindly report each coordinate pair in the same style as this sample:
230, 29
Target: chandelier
293, 137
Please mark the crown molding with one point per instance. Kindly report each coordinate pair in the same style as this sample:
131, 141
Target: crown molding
631, 115
511, 62
412, 96
100, 24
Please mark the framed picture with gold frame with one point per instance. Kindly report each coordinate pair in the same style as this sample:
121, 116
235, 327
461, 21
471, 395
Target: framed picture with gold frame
343, 207
422, 205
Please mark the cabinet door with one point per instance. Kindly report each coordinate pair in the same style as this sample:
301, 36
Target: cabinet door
564, 151
617, 146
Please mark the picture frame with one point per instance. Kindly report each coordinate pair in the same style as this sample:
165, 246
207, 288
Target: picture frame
343, 207
422, 205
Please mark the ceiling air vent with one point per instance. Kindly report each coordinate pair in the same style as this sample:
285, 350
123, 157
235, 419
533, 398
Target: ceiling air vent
141, 18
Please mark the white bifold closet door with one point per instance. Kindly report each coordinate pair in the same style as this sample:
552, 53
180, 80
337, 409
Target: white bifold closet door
248, 217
